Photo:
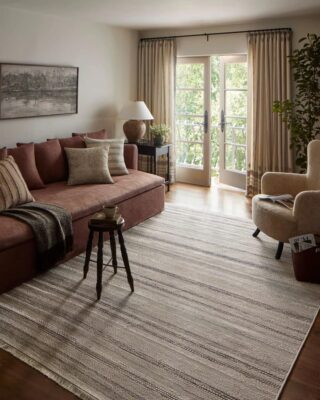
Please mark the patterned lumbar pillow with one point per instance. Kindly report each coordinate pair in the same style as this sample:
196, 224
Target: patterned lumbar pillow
13, 188
88, 165
116, 162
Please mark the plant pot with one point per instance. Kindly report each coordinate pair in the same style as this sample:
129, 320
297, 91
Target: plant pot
158, 141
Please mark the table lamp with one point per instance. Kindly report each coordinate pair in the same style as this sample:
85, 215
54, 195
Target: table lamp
135, 112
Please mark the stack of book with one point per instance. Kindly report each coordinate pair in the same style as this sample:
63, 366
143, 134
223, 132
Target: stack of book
110, 215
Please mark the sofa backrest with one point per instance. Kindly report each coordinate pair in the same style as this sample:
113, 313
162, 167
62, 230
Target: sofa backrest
50, 162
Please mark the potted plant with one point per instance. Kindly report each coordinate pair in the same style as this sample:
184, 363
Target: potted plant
302, 115
159, 134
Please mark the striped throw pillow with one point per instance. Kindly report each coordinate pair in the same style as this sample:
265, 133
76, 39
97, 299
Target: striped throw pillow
13, 188
116, 162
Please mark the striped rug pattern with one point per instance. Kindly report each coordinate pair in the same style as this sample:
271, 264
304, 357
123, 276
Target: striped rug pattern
213, 316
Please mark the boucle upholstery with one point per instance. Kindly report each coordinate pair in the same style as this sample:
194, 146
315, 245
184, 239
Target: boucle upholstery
277, 221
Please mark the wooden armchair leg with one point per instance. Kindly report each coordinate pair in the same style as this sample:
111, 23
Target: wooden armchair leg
279, 250
256, 232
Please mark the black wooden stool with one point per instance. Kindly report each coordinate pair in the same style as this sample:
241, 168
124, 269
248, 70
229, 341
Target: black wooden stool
101, 228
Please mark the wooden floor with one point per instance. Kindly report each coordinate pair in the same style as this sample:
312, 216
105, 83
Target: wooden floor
18, 381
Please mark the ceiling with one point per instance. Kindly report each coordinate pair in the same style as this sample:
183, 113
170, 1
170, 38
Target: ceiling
154, 14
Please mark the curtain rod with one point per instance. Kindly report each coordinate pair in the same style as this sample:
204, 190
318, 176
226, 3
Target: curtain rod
216, 33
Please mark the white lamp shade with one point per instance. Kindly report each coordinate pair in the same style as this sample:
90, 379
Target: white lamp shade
136, 110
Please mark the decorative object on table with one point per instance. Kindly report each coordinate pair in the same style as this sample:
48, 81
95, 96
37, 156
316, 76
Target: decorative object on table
37, 90
111, 222
146, 148
136, 112
107, 214
282, 223
302, 114
159, 134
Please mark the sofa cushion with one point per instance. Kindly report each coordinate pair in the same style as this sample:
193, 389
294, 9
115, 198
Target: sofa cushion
13, 188
71, 142
84, 200
49, 160
24, 156
88, 165
116, 162
102, 134
80, 201
75, 142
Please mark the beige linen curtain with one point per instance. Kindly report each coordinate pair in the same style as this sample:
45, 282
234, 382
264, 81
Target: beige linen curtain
268, 137
156, 87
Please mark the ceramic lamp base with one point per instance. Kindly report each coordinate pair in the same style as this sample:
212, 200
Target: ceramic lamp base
134, 130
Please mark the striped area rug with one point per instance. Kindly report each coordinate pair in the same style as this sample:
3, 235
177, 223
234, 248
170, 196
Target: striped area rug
213, 316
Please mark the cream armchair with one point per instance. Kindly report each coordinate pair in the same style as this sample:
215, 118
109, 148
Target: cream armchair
281, 223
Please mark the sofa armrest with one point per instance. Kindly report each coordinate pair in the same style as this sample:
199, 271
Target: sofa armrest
276, 183
306, 211
131, 156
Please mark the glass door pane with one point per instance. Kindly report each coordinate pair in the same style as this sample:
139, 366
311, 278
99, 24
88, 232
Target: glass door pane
191, 120
234, 94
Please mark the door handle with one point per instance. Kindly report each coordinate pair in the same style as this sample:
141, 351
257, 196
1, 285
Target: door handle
222, 121
206, 122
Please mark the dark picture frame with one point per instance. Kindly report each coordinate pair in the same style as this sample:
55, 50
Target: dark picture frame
32, 90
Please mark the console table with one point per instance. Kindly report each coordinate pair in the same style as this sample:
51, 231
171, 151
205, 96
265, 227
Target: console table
154, 152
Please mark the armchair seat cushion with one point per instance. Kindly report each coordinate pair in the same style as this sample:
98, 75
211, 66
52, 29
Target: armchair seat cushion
274, 220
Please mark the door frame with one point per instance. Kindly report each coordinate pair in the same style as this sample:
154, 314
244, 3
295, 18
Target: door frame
189, 174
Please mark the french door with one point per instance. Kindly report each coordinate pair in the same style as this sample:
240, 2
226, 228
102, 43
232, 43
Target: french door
211, 119
233, 120
193, 120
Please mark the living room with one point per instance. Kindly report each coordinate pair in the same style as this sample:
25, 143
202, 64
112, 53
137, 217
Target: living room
213, 301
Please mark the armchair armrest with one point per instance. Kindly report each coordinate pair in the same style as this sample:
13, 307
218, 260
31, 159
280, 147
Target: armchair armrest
306, 211
131, 155
276, 183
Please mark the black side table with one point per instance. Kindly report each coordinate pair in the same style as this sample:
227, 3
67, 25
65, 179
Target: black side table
149, 149
110, 228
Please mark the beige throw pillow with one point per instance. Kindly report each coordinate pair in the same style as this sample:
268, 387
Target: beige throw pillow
88, 165
13, 188
116, 162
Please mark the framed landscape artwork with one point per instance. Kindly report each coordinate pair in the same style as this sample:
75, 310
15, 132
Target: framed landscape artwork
37, 90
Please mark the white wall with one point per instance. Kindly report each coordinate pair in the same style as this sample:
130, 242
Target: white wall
106, 57
237, 43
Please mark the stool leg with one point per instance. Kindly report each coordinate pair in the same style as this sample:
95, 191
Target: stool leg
99, 265
88, 254
125, 259
113, 251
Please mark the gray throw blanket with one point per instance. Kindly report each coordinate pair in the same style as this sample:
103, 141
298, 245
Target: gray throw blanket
52, 229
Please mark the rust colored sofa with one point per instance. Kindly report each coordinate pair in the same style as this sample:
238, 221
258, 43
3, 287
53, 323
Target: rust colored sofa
139, 196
